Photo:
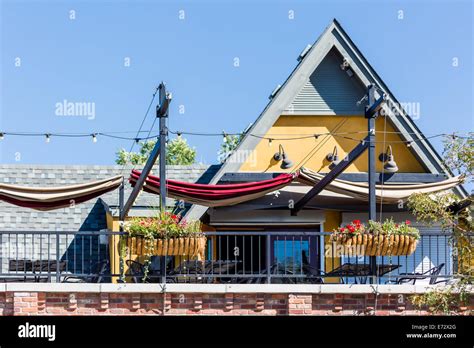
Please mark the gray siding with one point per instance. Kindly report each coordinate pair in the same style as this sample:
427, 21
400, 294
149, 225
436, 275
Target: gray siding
329, 91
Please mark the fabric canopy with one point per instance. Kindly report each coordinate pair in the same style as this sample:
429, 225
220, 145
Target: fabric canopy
388, 193
49, 198
214, 195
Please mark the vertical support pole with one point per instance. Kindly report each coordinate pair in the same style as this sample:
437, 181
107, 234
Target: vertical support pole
121, 215
121, 199
371, 170
58, 279
269, 257
162, 114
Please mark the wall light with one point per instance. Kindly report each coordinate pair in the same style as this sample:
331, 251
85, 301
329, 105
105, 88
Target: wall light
281, 156
333, 158
390, 164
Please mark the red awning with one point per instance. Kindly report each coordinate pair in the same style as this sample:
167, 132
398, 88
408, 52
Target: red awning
214, 195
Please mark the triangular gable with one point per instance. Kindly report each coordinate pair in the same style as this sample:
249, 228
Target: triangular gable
329, 91
333, 41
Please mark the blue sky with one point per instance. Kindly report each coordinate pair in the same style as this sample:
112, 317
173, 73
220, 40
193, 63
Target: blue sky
82, 60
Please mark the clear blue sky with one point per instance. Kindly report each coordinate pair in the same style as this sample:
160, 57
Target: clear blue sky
83, 60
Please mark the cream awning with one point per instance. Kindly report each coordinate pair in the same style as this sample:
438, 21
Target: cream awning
387, 193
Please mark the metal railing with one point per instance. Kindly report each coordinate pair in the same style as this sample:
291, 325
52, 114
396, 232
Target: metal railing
59, 256
230, 257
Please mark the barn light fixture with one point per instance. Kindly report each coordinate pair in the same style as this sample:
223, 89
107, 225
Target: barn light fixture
333, 158
390, 164
281, 156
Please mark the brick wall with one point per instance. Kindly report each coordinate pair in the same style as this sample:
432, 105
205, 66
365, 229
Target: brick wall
155, 303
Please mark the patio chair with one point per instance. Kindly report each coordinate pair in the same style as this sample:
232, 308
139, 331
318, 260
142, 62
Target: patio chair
97, 277
137, 271
412, 278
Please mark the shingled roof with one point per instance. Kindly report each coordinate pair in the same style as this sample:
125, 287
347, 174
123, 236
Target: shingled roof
88, 216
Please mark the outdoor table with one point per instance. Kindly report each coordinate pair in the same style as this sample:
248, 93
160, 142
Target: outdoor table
361, 270
36, 270
200, 269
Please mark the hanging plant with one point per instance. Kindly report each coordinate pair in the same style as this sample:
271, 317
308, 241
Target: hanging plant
166, 234
376, 239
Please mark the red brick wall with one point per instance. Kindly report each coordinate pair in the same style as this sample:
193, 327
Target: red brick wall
50, 303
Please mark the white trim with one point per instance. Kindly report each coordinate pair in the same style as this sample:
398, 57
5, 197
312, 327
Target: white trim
220, 288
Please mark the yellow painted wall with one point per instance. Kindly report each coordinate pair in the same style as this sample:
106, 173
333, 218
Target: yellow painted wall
113, 225
312, 152
333, 220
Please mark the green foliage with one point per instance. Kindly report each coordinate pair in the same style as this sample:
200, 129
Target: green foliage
228, 146
458, 154
165, 225
178, 152
387, 227
432, 209
446, 300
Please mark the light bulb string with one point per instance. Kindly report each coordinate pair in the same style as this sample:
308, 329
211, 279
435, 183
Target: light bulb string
113, 135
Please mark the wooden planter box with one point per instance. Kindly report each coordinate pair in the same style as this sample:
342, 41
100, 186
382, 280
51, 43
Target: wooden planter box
189, 246
381, 245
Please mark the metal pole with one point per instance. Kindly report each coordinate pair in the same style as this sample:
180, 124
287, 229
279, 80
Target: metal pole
121, 200
162, 114
141, 180
371, 170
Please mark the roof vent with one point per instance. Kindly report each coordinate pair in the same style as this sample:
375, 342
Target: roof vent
304, 53
275, 91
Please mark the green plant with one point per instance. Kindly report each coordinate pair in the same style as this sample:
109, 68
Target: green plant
387, 227
228, 146
178, 152
165, 225
445, 300
458, 154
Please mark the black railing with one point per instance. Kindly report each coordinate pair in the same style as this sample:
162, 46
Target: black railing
43, 256
229, 257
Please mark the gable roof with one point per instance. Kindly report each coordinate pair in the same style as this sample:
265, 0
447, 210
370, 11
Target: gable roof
334, 38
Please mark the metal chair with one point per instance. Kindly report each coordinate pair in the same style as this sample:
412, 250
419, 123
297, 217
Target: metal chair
407, 278
97, 277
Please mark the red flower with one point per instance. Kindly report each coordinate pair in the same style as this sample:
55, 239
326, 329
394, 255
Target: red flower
341, 229
396, 225
351, 228
407, 222
356, 222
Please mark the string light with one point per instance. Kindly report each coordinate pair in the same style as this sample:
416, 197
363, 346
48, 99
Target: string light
225, 136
